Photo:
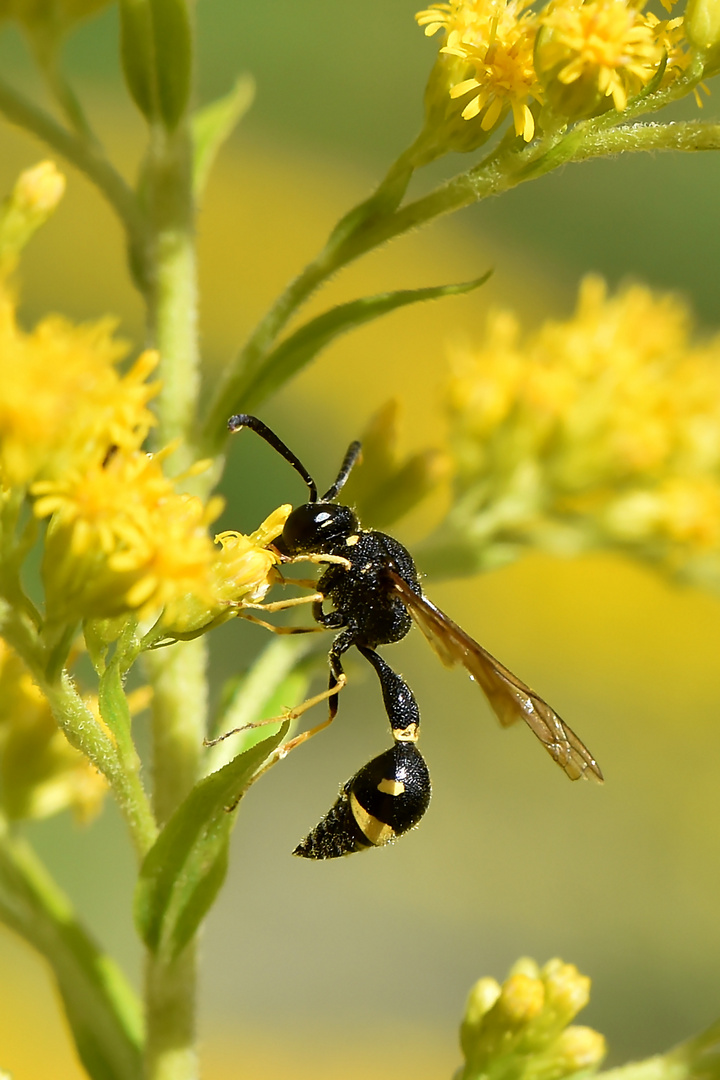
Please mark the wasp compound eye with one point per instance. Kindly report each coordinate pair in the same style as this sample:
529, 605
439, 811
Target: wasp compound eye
318, 527
382, 801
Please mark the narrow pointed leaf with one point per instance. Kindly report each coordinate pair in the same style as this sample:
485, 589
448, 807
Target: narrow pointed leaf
173, 58
156, 53
213, 124
137, 54
186, 866
101, 1008
301, 347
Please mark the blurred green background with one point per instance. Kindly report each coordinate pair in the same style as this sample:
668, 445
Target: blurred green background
362, 965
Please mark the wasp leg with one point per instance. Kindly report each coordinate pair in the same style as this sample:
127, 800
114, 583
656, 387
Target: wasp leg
400, 704
281, 605
281, 629
290, 714
337, 680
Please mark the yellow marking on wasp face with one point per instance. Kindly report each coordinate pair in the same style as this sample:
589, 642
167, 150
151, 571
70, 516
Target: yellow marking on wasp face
391, 787
373, 830
351, 541
408, 734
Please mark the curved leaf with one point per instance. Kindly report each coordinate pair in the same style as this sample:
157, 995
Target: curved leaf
301, 347
101, 1007
156, 53
214, 123
173, 58
136, 54
183, 871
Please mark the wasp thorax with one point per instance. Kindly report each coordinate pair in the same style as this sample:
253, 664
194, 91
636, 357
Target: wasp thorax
382, 801
317, 527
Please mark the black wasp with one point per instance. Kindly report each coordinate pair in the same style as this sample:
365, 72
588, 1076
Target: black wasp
372, 584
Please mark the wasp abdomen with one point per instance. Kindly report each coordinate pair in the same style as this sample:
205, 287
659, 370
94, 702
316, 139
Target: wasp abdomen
382, 801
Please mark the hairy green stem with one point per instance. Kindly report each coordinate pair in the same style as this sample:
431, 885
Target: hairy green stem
83, 154
173, 292
83, 730
179, 673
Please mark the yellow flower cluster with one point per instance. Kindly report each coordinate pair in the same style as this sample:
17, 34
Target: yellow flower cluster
520, 1028
580, 57
63, 401
121, 536
603, 430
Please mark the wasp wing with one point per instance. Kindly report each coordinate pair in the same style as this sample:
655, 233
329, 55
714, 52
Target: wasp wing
510, 698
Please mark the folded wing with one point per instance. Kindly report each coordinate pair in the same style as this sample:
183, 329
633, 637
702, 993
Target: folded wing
510, 698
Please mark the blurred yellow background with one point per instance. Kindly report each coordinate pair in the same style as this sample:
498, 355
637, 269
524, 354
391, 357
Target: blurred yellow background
362, 965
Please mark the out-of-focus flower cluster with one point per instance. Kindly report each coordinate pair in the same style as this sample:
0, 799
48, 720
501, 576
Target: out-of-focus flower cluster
599, 431
520, 1029
570, 58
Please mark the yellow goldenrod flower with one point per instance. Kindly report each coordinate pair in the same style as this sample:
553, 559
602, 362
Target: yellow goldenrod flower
497, 39
240, 574
608, 47
40, 772
121, 538
243, 569
64, 404
600, 430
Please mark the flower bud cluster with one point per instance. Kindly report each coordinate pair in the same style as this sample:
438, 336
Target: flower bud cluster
520, 1028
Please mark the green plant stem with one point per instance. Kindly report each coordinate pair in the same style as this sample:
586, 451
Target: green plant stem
101, 1007
172, 292
697, 1057
46, 47
83, 731
85, 155
178, 673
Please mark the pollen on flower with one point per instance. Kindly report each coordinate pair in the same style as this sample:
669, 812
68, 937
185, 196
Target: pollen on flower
240, 574
243, 571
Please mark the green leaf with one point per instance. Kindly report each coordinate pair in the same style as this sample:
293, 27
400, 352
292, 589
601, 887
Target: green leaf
388, 486
156, 54
137, 54
102, 1010
173, 57
301, 347
214, 123
183, 871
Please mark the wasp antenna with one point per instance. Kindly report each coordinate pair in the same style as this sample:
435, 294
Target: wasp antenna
241, 420
354, 451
